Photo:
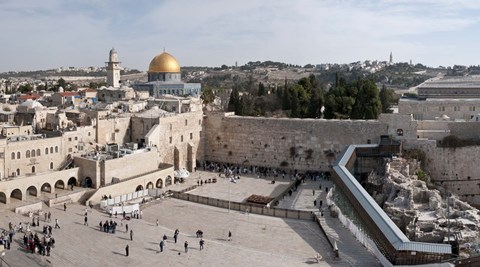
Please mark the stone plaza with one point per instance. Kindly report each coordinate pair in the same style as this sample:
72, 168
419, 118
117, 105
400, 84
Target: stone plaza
257, 240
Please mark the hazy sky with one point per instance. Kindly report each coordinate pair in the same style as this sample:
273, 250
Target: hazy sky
52, 33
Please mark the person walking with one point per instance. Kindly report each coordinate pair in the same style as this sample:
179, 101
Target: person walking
157, 222
64, 206
315, 203
126, 228
131, 235
161, 245
56, 224
313, 191
201, 244
126, 250
185, 245
175, 236
229, 236
85, 221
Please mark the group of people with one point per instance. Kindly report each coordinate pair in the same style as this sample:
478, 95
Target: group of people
199, 234
33, 243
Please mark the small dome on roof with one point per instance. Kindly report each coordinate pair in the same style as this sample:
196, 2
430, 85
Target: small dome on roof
31, 104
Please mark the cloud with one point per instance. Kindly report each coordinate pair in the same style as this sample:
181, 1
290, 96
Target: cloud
52, 33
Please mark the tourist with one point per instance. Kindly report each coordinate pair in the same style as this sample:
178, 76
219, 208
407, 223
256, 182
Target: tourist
157, 222
165, 237
229, 236
175, 236
185, 245
315, 203
126, 250
49, 216
100, 224
201, 244
85, 221
313, 192
161, 245
131, 235
46, 216
126, 228
56, 224
64, 206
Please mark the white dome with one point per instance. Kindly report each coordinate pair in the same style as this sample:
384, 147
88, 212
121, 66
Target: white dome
31, 104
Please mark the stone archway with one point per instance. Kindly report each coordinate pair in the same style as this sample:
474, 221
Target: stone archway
46, 187
139, 188
150, 185
32, 191
60, 184
159, 183
72, 181
3, 198
88, 182
168, 181
17, 193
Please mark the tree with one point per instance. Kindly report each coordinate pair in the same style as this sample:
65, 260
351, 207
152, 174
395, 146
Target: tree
315, 104
234, 101
386, 98
367, 104
207, 95
61, 83
25, 88
261, 89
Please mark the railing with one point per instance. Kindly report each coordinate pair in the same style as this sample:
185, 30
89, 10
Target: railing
244, 207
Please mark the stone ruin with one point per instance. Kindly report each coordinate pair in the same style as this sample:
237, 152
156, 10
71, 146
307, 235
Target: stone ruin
420, 211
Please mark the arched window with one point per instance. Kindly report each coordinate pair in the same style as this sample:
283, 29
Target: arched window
33, 169
27, 154
13, 155
38, 152
51, 165
399, 132
18, 155
46, 151
56, 149
18, 172
51, 150
33, 153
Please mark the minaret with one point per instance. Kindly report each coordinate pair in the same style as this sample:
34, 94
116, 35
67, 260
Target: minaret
113, 69
391, 58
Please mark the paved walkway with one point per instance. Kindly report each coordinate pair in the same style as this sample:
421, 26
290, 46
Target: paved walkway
351, 251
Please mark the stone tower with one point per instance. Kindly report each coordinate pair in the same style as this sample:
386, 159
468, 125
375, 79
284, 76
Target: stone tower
391, 58
113, 69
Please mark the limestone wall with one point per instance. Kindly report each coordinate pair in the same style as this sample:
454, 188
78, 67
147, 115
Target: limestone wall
129, 186
302, 144
456, 169
113, 130
131, 165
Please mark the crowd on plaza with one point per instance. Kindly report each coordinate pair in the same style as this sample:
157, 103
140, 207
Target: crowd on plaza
229, 170
33, 243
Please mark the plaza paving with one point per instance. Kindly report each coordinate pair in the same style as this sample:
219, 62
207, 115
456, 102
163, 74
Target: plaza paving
257, 240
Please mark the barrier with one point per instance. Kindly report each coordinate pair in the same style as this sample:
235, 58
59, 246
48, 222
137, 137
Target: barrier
243, 207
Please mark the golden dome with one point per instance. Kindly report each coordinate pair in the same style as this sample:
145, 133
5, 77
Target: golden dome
164, 63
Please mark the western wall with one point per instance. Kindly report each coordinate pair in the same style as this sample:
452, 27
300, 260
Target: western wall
300, 144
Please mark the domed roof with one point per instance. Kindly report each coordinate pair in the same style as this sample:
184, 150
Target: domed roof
31, 104
164, 63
